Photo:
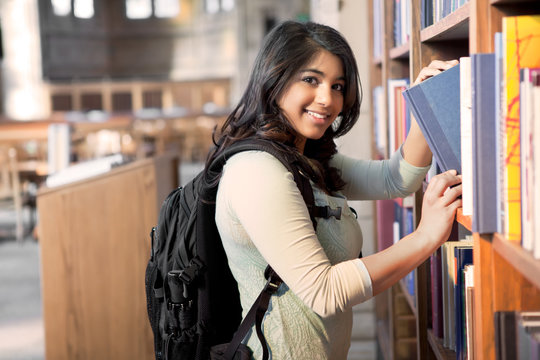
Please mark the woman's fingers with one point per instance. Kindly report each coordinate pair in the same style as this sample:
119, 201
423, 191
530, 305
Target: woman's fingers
451, 194
434, 68
440, 183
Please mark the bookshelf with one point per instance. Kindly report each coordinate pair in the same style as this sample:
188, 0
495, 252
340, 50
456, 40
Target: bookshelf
505, 275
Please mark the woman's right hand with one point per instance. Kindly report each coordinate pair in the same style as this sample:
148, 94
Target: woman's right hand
439, 206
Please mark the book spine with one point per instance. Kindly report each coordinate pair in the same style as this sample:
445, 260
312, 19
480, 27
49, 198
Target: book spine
484, 136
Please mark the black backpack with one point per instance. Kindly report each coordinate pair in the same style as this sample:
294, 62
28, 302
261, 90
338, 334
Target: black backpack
192, 298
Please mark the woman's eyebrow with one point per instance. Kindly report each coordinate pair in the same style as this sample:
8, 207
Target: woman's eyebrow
319, 72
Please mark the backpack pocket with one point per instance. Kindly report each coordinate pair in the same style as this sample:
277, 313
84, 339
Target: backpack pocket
217, 352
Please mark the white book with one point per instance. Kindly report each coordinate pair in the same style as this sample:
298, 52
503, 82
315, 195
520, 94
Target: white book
536, 181
469, 310
466, 134
526, 158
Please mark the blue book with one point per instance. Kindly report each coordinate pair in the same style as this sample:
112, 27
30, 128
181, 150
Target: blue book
463, 255
484, 136
435, 104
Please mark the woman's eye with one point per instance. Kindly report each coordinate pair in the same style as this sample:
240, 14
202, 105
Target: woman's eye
339, 87
310, 80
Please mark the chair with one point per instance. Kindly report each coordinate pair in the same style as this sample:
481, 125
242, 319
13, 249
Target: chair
10, 187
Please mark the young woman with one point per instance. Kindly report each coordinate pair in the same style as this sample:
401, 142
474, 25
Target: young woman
304, 92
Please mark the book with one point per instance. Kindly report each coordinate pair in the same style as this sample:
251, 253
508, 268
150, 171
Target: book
395, 124
436, 294
465, 103
483, 138
505, 335
521, 41
536, 161
469, 311
463, 255
435, 105
527, 324
385, 219
380, 124
448, 274
527, 140
499, 130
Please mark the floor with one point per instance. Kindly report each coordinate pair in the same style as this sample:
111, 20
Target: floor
21, 320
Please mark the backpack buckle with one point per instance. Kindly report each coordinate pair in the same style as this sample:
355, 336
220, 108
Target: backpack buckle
326, 212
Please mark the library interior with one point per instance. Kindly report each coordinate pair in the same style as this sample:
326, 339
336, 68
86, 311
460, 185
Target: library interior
106, 106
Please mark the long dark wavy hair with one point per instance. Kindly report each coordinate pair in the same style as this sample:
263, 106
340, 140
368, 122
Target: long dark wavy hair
285, 51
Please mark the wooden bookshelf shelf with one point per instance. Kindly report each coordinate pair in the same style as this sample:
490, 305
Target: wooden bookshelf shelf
465, 220
400, 52
519, 258
441, 353
452, 27
512, 2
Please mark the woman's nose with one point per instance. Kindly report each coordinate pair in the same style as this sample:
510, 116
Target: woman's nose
324, 95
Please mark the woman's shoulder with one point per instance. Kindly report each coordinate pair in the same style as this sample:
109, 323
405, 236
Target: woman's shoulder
253, 160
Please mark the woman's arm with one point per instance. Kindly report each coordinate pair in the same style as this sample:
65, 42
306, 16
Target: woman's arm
438, 211
415, 148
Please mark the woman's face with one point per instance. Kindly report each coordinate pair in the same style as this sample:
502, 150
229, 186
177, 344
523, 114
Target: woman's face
314, 97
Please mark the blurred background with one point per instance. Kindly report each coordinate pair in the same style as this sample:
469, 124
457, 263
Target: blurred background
88, 86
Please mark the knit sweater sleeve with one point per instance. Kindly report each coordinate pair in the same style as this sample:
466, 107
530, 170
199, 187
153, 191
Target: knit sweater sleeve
257, 193
379, 179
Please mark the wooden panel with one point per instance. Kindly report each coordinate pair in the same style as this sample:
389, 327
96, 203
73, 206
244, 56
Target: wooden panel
94, 238
522, 260
483, 299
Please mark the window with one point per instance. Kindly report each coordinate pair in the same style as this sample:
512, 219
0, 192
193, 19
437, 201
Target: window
138, 9
91, 101
144, 9
166, 8
82, 9
152, 99
61, 7
122, 101
227, 5
215, 6
62, 102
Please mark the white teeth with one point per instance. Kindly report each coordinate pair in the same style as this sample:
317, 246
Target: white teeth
316, 115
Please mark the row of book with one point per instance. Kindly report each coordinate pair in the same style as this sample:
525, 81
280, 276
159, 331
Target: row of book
395, 220
451, 285
402, 22
482, 118
378, 31
517, 335
432, 11
391, 124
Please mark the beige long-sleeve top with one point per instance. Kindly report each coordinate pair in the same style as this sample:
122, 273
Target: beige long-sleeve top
262, 219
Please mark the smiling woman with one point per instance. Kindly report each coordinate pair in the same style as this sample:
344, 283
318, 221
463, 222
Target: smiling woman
304, 92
